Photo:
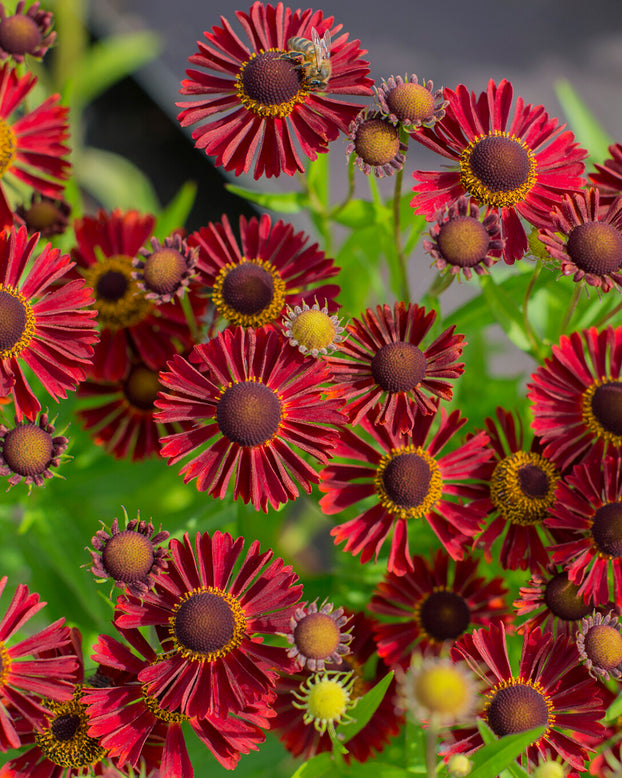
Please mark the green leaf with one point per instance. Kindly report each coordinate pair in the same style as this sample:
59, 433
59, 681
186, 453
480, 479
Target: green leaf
283, 202
115, 181
316, 767
365, 709
374, 769
356, 214
108, 61
498, 754
176, 212
584, 124
506, 312
318, 178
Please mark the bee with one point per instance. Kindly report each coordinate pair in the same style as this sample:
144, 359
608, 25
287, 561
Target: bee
312, 57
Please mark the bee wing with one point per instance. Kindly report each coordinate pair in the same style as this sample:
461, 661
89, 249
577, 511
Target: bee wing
317, 47
325, 45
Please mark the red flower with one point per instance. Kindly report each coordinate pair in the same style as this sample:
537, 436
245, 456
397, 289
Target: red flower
304, 740
522, 494
550, 689
608, 179
408, 481
576, 400
588, 504
24, 682
586, 239
258, 102
253, 280
260, 400
31, 146
120, 414
123, 718
432, 607
516, 166
129, 322
384, 372
42, 325
211, 622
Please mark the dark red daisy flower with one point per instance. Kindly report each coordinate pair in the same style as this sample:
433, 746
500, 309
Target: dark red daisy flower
32, 143
608, 177
24, 681
304, 740
577, 396
124, 717
264, 99
47, 327
381, 369
28, 451
252, 281
586, 239
120, 414
589, 504
432, 607
517, 166
462, 242
130, 557
554, 601
260, 401
212, 622
550, 690
46, 215
407, 479
27, 32
129, 322
522, 494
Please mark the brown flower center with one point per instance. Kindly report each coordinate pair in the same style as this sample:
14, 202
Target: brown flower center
316, 636
603, 645
28, 450
377, 141
128, 556
463, 241
20, 35
249, 413
42, 215
65, 742
444, 615
269, 84
118, 299
8, 146
563, 600
522, 487
497, 169
141, 387
607, 529
64, 727
595, 247
164, 270
411, 102
516, 707
606, 407
408, 482
17, 323
398, 367
250, 294
208, 624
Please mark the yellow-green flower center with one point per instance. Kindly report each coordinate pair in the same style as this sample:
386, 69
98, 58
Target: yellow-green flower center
595, 247
119, 301
17, 322
163, 271
314, 330
325, 699
207, 624
128, 556
269, 84
498, 169
27, 449
441, 689
141, 387
377, 141
522, 487
603, 645
316, 636
410, 102
463, 241
408, 482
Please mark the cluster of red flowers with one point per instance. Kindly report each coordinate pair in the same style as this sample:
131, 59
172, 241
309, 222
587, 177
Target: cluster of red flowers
213, 350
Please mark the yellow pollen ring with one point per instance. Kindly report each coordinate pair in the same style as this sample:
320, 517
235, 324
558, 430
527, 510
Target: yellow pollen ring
235, 317
272, 110
479, 190
509, 498
239, 631
130, 308
435, 487
592, 423
5, 663
170, 717
8, 146
536, 686
29, 325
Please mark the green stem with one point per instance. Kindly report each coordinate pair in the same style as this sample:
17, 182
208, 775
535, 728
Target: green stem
572, 305
397, 234
350, 193
531, 335
191, 319
431, 740
604, 319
